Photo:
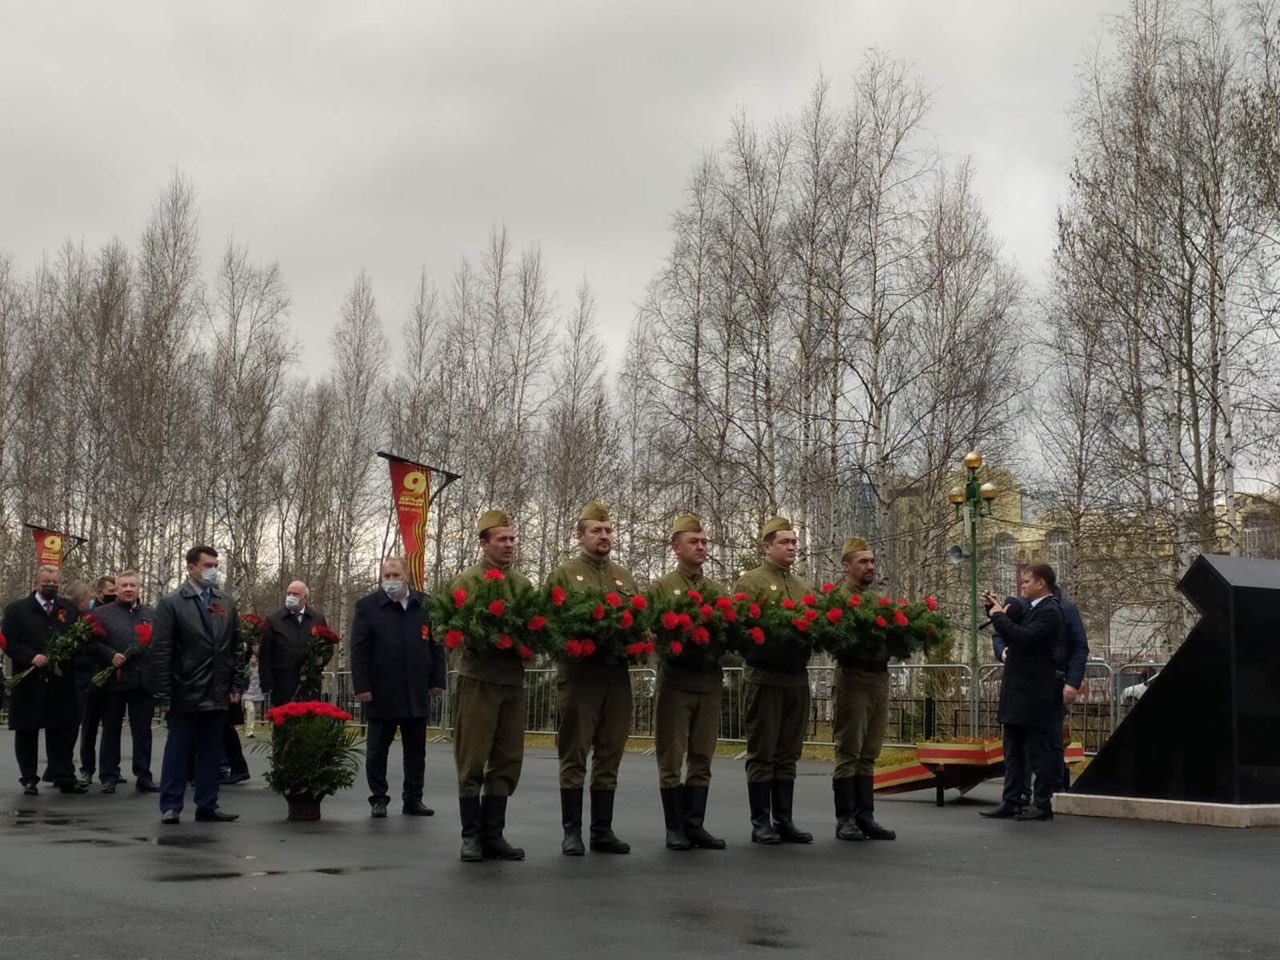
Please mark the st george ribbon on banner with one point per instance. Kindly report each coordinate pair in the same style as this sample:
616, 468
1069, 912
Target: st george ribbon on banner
410, 483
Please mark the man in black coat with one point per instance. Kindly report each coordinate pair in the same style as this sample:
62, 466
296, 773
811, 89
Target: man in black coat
124, 692
286, 642
1030, 694
396, 668
42, 700
194, 665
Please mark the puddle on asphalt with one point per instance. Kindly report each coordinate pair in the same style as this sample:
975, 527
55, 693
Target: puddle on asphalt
178, 840
96, 841
236, 875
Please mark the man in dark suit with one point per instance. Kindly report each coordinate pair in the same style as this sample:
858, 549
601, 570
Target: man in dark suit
93, 699
286, 642
1030, 694
42, 700
194, 665
1072, 656
124, 692
396, 667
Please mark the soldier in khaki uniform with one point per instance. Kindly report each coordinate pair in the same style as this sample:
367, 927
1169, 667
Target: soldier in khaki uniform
488, 718
686, 711
861, 713
594, 697
777, 694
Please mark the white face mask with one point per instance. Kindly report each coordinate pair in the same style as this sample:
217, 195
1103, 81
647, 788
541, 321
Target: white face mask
394, 588
211, 576
293, 603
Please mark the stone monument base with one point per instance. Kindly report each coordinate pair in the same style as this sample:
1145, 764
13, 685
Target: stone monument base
1168, 811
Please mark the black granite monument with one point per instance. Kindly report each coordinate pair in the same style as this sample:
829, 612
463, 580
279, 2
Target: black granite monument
1208, 728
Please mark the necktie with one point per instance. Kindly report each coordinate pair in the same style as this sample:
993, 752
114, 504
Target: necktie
48, 607
206, 595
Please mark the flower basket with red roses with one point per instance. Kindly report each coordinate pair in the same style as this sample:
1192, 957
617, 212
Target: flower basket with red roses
694, 629
792, 630
495, 619
135, 649
313, 755
597, 625
870, 626
64, 647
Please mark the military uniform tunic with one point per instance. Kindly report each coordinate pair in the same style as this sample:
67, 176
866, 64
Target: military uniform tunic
860, 711
594, 697
776, 684
489, 705
686, 711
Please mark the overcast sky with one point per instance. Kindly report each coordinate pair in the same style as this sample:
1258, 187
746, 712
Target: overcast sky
388, 136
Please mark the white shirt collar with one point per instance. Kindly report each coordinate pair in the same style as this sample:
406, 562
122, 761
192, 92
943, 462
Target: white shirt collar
1037, 600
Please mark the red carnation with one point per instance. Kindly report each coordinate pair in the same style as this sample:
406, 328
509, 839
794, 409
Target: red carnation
886, 602
701, 636
453, 639
739, 597
536, 623
686, 621
494, 574
811, 614
902, 601
143, 630
695, 596
834, 615
855, 600
557, 596
426, 631
788, 604
808, 599
801, 624
95, 625
612, 599
670, 621
638, 602
828, 587
881, 622
706, 611
588, 647
503, 642
753, 611
525, 652
626, 619
931, 603
724, 603
324, 633
677, 648
498, 607
4, 644
573, 648
637, 649
598, 612
729, 616
899, 618
459, 597
757, 635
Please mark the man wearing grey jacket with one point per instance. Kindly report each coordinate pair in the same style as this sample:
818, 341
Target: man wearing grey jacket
194, 665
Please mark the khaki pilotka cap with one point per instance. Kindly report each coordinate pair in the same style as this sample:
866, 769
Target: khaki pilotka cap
686, 523
775, 525
493, 518
854, 545
596, 512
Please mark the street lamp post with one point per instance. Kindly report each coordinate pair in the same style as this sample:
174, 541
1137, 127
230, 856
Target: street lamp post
972, 501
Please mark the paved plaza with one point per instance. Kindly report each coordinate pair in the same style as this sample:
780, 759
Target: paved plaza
98, 876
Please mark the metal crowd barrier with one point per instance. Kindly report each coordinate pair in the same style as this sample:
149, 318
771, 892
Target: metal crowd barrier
927, 701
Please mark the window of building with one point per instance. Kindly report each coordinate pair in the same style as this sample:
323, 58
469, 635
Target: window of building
1058, 552
1006, 563
1258, 535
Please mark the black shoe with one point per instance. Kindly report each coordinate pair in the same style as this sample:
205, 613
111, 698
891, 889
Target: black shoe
30, 789
602, 837
416, 808
169, 817
493, 818
1035, 812
695, 810
378, 809
74, 786
227, 779
761, 826
781, 794
673, 814
846, 800
215, 816
469, 810
145, 785
864, 811
109, 787
571, 820
1006, 811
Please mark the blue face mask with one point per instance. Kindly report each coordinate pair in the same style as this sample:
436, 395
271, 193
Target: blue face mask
211, 576
293, 603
